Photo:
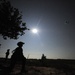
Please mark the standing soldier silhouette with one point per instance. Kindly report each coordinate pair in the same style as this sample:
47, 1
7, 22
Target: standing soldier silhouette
43, 58
18, 56
7, 54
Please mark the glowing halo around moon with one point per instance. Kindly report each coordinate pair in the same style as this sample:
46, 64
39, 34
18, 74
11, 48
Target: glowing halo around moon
35, 31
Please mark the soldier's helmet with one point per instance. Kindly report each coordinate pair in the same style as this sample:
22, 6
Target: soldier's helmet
20, 43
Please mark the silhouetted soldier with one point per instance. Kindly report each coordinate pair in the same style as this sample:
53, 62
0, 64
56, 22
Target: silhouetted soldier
0, 45
7, 54
43, 58
18, 56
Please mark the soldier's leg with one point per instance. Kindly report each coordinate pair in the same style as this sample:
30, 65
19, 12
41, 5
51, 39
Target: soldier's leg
23, 64
12, 64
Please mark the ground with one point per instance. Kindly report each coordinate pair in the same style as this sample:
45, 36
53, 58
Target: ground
33, 70
48, 69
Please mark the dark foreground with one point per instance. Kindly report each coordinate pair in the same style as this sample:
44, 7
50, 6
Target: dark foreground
37, 67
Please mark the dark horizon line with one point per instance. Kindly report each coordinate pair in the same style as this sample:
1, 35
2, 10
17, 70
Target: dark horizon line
40, 58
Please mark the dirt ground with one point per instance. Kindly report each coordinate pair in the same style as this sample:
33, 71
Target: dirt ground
36, 70
33, 70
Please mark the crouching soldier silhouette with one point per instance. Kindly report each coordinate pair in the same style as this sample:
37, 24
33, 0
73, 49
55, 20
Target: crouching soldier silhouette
18, 56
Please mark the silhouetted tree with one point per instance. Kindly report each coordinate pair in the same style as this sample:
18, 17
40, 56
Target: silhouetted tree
11, 25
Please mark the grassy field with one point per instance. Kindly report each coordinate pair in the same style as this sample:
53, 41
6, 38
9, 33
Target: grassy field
37, 67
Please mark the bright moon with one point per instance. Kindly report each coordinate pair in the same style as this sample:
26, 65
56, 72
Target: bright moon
34, 30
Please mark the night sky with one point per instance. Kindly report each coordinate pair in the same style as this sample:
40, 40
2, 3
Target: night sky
55, 21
